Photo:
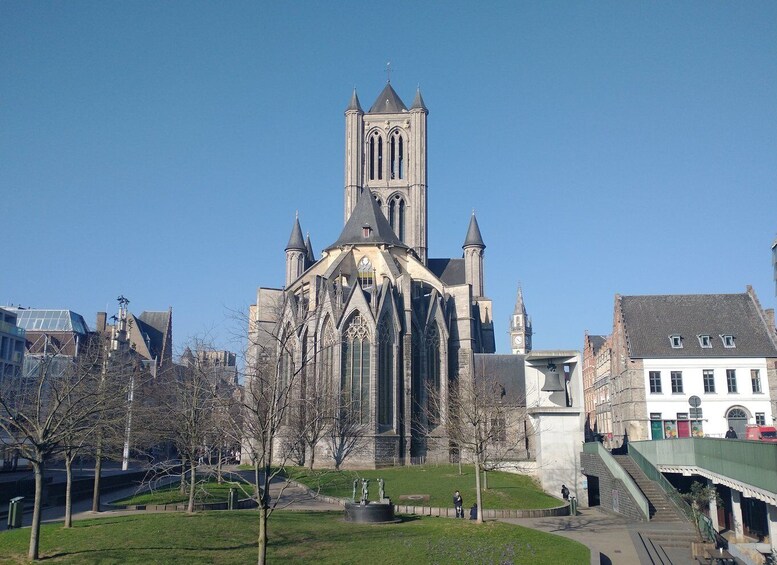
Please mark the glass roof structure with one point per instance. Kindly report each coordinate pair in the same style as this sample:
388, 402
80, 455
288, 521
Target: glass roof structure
50, 320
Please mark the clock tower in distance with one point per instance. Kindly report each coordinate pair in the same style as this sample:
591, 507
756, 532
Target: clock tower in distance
520, 327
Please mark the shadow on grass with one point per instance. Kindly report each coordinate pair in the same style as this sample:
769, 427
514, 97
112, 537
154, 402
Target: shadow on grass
161, 548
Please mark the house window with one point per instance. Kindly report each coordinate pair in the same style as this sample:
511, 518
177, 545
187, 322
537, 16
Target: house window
705, 341
677, 382
755, 380
709, 381
366, 273
728, 341
396, 216
731, 380
696, 413
676, 341
760, 419
655, 382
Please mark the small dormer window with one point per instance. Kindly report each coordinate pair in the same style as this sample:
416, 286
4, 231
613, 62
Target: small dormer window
705, 341
676, 341
728, 341
366, 230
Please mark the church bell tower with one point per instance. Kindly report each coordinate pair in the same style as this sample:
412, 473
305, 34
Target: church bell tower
520, 327
385, 152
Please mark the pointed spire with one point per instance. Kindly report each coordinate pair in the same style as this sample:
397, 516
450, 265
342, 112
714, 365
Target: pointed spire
418, 101
474, 239
295, 239
354, 103
309, 257
519, 306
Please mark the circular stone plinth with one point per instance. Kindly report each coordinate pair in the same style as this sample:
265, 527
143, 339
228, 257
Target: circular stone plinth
371, 513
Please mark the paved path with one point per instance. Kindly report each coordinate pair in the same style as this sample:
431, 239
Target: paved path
606, 535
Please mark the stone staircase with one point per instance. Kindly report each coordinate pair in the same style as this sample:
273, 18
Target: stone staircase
667, 538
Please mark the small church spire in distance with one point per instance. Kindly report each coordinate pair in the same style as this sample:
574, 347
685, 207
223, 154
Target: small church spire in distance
473, 233
354, 103
418, 101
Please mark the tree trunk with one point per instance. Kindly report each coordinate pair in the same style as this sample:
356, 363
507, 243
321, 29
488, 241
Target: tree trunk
35, 530
312, 458
478, 497
182, 486
192, 485
98, 467
485, 479
262, 542
219, 477
68, 490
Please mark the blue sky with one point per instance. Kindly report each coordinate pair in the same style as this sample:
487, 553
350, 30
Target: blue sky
160, 149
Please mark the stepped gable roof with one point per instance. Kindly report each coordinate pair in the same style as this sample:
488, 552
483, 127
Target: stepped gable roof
418, 101
388, 102
366, 214
503, 371
473, 234
650, 320
296, 241
449, 271
354, 103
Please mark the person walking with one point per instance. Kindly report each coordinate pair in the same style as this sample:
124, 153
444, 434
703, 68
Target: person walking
564, 492
458, 504
731, 434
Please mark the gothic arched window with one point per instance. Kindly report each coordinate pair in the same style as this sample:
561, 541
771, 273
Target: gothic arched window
375, 156
366, 273
432, 346
385, 373
397, 156
397, 216
355, 379
328, 344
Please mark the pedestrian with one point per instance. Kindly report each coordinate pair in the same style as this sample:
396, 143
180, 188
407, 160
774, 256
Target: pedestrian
473, 512
458, 504
564, 492
731, 434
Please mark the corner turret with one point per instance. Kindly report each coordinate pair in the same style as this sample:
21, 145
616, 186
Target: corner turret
474, 249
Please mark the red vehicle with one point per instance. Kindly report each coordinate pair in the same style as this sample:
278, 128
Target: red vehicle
761, 433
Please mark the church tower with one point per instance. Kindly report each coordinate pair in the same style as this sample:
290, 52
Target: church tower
296, 253
520, 327
385, 152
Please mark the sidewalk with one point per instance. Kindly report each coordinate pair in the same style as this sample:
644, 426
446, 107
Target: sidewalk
606, 535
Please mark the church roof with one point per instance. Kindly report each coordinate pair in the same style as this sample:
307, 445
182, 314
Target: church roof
366, 214
418, 101
449, 271
504, 372
309, 256
296, 241
473, 234
388, 102
354, 103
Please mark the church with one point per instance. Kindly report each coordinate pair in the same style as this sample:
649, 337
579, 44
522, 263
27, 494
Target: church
375, 318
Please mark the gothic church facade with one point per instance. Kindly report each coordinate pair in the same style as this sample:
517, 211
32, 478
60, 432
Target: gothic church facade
374, 321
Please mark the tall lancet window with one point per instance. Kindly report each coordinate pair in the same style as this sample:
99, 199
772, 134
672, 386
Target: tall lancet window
397, 216
355, 379
397, 156
386, 373
327, 380
432, 346
285, 372
375, 156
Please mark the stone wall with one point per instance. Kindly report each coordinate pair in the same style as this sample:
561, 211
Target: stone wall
613, 494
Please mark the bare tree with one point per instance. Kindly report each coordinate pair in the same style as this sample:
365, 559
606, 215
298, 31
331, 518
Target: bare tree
55, 401
345, 433
483, 424
279, 358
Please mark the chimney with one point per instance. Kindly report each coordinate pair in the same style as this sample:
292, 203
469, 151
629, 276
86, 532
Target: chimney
101, 318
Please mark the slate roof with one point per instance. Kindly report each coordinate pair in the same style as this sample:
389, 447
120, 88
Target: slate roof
354, 103
505, 370
418, 102
155, 325
596, 342
366, 214
473, 234
449, 271
296, 241
388, 102
650, 320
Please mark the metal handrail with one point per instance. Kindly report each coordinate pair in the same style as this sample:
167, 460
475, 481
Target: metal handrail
654, 474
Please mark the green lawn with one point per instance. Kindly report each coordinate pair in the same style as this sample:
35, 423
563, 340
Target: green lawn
210, 491
295, 537
506, 490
